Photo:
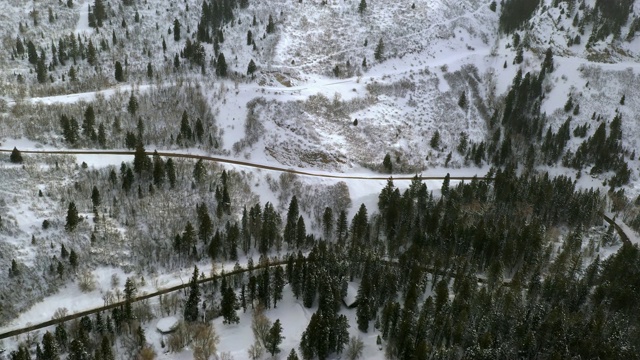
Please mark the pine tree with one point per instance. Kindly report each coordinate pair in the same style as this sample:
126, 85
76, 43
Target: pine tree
293, 355
292, 218
341, 227
185, 129
99, 12
88, 125
77, 351
149, 71
158, 169
191, 307
171, 173
386, 163
199, 130
73, 260
199, 171
129, 295
119, 73
72, 74
49, 347
362, 7
462, 100
228, 305
379, 52
205, 229
72, 217
32, 53
327, 223
251, 69
102, 136
221, 66
41, 71
132, 106
141, 161
92, 56
271, 28
16, 156
274, 339
14, 270
61, 336
435, 140
19, 46
176, 30
278, 285
548, 60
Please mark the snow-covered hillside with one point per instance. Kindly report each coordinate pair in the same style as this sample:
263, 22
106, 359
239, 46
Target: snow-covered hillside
417, 87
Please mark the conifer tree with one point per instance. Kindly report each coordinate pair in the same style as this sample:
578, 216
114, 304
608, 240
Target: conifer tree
95, 198
327, 223
435, 140
277, 284
99, 12
292, 218
41, 71
159, 171
293, 355
176, 30
32, 53
379, 52
191, 307
73, 260
132, 106
341, 227
119, 74
61, 336
221, 66
271, 28
228, 305
274, 338
16, 156
251, 69
362, 6
88, 125
49, 347
199, 171
102, 136
129, 294
92, 56
72, 217
171, 173
386, 163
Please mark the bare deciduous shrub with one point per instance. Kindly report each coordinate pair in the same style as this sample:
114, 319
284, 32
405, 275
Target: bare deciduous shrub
204, 341
260, 324
60, 313
255, 351
86, 281
179, 338
147, 353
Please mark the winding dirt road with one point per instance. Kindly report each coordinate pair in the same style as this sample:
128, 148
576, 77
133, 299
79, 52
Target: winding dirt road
243, 163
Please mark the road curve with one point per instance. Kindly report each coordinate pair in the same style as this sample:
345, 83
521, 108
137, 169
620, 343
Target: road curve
243, 163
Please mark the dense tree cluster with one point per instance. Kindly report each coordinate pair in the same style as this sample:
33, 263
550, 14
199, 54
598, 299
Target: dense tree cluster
515, 13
